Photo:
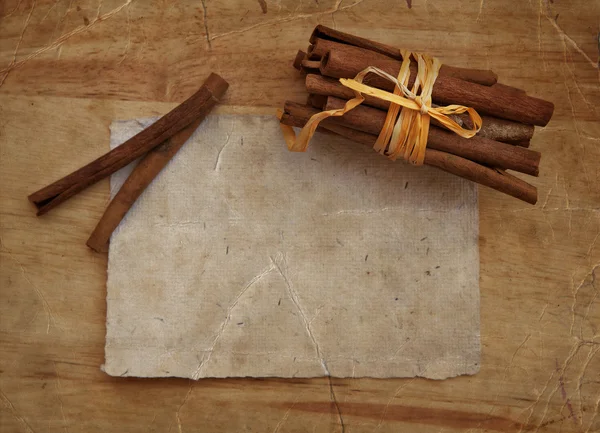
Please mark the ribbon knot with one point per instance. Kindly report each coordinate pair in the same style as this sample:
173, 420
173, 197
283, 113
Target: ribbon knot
423, 108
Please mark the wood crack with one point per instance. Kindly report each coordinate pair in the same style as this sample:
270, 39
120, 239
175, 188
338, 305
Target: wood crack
49, 315
8, 404
14, 59
291, 17
62, 39
205, 20
566, 38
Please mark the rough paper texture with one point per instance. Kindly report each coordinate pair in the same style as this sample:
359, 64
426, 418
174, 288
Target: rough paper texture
243, 259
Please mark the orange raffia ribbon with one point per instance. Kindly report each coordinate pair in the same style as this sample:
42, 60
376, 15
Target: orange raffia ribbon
407, 122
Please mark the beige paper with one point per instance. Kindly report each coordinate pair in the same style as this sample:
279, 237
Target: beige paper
244, 259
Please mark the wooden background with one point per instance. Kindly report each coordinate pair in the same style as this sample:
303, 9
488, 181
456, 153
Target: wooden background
68, 68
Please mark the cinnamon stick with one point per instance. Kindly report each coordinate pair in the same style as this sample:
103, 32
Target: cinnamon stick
507, 131
492, 100
478, 149
300, 55
297, 115
310, 65
316, 101
304, 65
327, 86
195, 107
321, 47
139, 179
503, 130
521, 143
506, 88
322, 32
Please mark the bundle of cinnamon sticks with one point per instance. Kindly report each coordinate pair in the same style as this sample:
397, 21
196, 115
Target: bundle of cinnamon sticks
509, 115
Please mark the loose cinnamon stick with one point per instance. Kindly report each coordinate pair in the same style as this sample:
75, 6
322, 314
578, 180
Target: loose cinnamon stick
478, 149
321, 47
195, 107
323, 32
297, 115
507, 131
139, 179
494, 101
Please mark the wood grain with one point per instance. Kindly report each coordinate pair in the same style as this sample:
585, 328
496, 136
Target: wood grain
63, 81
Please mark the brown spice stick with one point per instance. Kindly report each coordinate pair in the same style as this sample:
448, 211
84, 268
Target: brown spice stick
494, 101
321, 47
139, 179
311, 64
493, 128
316, 101
195, 107
310, 55
493, 178
521, 143
456, 165
327, 86
478, 149
480, 76
304, 65
506, 88
300, 55
503, 130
